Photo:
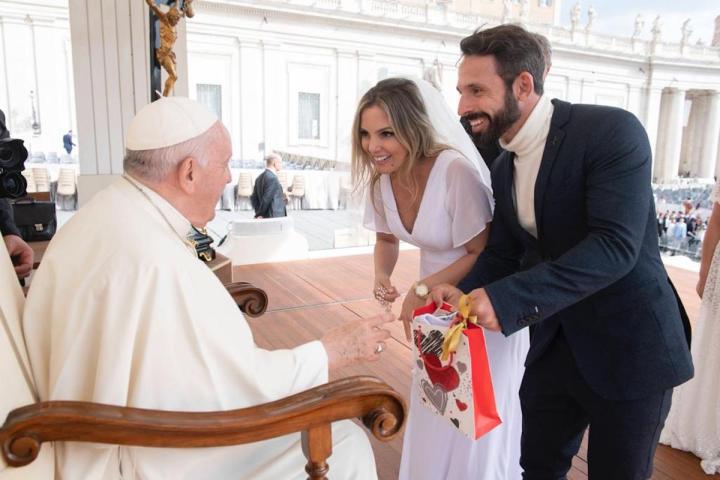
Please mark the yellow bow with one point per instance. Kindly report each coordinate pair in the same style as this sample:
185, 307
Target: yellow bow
452, 336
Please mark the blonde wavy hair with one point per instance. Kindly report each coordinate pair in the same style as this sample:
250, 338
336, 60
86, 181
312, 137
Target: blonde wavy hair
401, 101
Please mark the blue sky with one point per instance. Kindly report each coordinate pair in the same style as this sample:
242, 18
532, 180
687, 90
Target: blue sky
617, 17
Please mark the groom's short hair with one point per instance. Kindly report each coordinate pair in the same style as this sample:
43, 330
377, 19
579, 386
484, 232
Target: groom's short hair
515, 51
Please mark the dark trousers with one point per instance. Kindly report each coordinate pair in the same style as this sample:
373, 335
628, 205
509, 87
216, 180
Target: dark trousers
557, 407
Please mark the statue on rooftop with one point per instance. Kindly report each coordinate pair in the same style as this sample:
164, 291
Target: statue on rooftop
507, 10
524, 10
575, 15
716, 36
656, 29
686, 32
639, 26
590, 18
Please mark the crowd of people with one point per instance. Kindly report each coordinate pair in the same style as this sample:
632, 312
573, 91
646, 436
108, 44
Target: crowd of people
680, 232
555, 247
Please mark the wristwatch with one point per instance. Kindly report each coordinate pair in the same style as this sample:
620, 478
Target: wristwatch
421, 290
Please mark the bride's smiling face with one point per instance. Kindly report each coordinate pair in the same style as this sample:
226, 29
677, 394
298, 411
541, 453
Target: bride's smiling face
379, 141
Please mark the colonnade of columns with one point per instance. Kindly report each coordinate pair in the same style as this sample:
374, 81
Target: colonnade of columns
688, 142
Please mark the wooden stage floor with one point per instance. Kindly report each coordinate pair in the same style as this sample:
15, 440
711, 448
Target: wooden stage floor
310, 296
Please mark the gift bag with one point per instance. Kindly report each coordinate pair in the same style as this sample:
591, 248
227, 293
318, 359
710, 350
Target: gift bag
451, 374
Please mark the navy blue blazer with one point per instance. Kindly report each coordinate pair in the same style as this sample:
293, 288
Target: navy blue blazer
595, 270
267, 198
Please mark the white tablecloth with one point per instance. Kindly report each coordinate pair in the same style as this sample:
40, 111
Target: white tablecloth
322, 188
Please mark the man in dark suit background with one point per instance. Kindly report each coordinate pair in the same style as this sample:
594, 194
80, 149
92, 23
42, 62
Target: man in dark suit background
573, 253
268, 198
67, 142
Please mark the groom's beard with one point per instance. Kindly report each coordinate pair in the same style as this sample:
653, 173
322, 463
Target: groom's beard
497, 125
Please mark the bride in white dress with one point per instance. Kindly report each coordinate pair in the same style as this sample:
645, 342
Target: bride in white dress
428, 186
694, 420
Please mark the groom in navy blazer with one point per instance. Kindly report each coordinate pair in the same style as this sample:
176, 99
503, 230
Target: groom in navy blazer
577, 261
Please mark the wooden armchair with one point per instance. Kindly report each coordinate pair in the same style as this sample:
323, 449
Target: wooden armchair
381, 409
29, 423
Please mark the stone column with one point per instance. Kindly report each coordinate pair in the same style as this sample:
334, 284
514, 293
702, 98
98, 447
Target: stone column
710, 128
650, 118
252, 93
275, 96
670, 132
693, 135
347, 97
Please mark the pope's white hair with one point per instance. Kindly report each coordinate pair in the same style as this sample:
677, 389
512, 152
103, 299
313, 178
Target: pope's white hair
156, 164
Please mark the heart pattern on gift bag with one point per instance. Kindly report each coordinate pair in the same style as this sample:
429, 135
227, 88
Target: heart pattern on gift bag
431, 343
446, 376
461, 405
436, 395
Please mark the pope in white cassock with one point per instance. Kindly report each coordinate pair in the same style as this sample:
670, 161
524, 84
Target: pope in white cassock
122, 312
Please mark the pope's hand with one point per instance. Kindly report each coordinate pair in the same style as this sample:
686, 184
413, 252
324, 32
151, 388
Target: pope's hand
21, 254
356, 340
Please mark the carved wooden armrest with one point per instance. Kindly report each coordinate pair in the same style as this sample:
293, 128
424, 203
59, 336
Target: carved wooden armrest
380, 407
253, 301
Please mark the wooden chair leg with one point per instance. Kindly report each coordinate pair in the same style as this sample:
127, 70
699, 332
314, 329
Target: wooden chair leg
317, 447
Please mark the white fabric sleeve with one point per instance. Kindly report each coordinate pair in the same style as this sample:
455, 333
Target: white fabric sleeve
374, 217
469, 201
301, 368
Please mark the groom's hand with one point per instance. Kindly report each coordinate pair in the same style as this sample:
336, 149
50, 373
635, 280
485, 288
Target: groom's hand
482, 308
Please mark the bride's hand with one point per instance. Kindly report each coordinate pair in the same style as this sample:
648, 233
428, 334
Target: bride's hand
412, 302
384, 291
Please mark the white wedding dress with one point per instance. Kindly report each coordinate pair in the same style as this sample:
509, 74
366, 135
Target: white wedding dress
694, 420
455, 207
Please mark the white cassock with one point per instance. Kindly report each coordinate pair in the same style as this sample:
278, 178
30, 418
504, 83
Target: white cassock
122, 312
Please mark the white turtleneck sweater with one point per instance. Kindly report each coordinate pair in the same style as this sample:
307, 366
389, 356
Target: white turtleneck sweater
528, 147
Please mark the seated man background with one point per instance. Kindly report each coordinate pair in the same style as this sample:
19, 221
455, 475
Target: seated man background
268, 199
122, 312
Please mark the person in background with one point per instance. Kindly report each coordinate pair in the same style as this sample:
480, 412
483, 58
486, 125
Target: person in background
268, 199
68, 142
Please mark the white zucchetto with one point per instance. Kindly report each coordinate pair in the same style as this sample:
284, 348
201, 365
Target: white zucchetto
167, 122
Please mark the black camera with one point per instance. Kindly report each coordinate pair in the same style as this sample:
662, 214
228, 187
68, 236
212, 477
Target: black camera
12, 162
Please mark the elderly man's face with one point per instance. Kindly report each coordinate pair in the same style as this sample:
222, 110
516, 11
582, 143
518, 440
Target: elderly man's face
213, 176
